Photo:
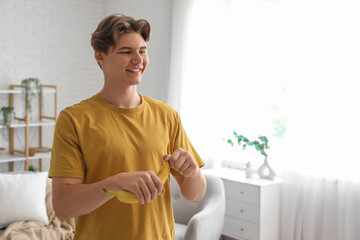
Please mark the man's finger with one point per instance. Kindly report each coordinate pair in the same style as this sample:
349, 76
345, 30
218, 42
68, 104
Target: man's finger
158, 183
190, 172
176, 154
166, 157
139, 195
182, 169
146, 192
180, 162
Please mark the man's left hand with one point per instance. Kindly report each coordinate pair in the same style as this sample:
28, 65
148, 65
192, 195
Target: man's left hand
183, 162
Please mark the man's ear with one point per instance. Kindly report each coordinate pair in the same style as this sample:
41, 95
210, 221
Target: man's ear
99, 56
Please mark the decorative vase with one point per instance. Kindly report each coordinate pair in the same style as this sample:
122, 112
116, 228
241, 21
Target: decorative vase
265, 171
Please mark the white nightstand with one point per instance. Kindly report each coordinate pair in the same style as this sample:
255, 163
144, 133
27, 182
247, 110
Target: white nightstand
252, 205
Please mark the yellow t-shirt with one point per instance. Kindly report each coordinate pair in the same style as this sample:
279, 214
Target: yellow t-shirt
95, 139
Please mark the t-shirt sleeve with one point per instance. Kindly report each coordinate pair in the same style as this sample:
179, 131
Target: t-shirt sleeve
182, 141
66, 156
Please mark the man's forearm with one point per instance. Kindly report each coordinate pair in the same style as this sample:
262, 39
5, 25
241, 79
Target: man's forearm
190, 180
193, 188
73, 198
76, 199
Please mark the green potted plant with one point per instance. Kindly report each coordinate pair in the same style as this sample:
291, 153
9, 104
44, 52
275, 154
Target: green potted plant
32, 168
8, 114
31, 87
264, 171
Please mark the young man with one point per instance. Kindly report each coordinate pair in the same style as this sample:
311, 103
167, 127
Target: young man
118, 140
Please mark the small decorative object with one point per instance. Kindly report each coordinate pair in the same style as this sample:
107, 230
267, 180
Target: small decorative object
249, 170
32, 151
8, 114
264, 171
2, 151
30, 87
32, 168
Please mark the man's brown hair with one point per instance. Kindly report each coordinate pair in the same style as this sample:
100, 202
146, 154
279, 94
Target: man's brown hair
113, 26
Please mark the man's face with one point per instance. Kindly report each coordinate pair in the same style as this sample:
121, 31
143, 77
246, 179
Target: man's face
126, 62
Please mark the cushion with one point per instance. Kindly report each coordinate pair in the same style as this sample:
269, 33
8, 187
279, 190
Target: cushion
22, 197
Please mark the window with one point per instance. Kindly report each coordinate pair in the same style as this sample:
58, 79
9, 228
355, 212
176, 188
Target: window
284, 69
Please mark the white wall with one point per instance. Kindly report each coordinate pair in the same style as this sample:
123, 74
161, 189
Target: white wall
158, 13
49, 40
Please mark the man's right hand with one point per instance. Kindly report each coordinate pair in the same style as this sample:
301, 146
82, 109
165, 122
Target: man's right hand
146, 185
72, 197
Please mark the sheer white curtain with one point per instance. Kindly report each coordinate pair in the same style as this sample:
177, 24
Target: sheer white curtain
239, 65
323, 118
318, 208
248, 64
210, 100
181, 16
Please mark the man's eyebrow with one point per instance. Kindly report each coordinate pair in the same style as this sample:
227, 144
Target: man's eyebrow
129, 48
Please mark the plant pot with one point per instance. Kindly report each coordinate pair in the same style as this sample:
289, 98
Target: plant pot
8, 115
32, 151
2, 151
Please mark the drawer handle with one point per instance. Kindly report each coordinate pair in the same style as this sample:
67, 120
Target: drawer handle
242, 229
242, 210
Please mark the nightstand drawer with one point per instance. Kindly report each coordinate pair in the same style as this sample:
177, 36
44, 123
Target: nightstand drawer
243, 192
242, 210
240, 228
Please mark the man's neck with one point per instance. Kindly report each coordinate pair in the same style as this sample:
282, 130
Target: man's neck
121, 97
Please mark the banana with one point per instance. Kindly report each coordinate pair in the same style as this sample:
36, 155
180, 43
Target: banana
129, 197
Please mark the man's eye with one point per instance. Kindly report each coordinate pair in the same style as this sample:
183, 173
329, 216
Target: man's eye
142, 51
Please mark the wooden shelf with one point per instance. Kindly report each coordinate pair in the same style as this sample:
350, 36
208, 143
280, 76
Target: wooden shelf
19, 157
31, 124
17, 91
44, 120
9, 91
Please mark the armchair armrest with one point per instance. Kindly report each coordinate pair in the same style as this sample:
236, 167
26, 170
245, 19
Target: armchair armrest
207, 223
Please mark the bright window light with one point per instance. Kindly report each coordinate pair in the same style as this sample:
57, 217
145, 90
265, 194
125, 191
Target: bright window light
285, 69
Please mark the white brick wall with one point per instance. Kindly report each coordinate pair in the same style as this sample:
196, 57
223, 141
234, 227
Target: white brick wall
50, 40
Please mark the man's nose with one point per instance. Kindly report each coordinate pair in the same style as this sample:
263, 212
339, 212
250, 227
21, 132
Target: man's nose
137, 58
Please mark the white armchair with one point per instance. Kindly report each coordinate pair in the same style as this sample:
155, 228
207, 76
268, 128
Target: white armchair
202, 220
